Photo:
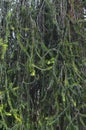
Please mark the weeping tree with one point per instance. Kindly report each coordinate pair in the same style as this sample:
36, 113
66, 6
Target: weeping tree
42, 65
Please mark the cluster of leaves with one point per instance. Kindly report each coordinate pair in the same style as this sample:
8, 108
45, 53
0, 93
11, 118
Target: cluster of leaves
42, 68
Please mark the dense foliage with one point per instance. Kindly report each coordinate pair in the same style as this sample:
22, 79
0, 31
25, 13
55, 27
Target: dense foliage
42, 65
